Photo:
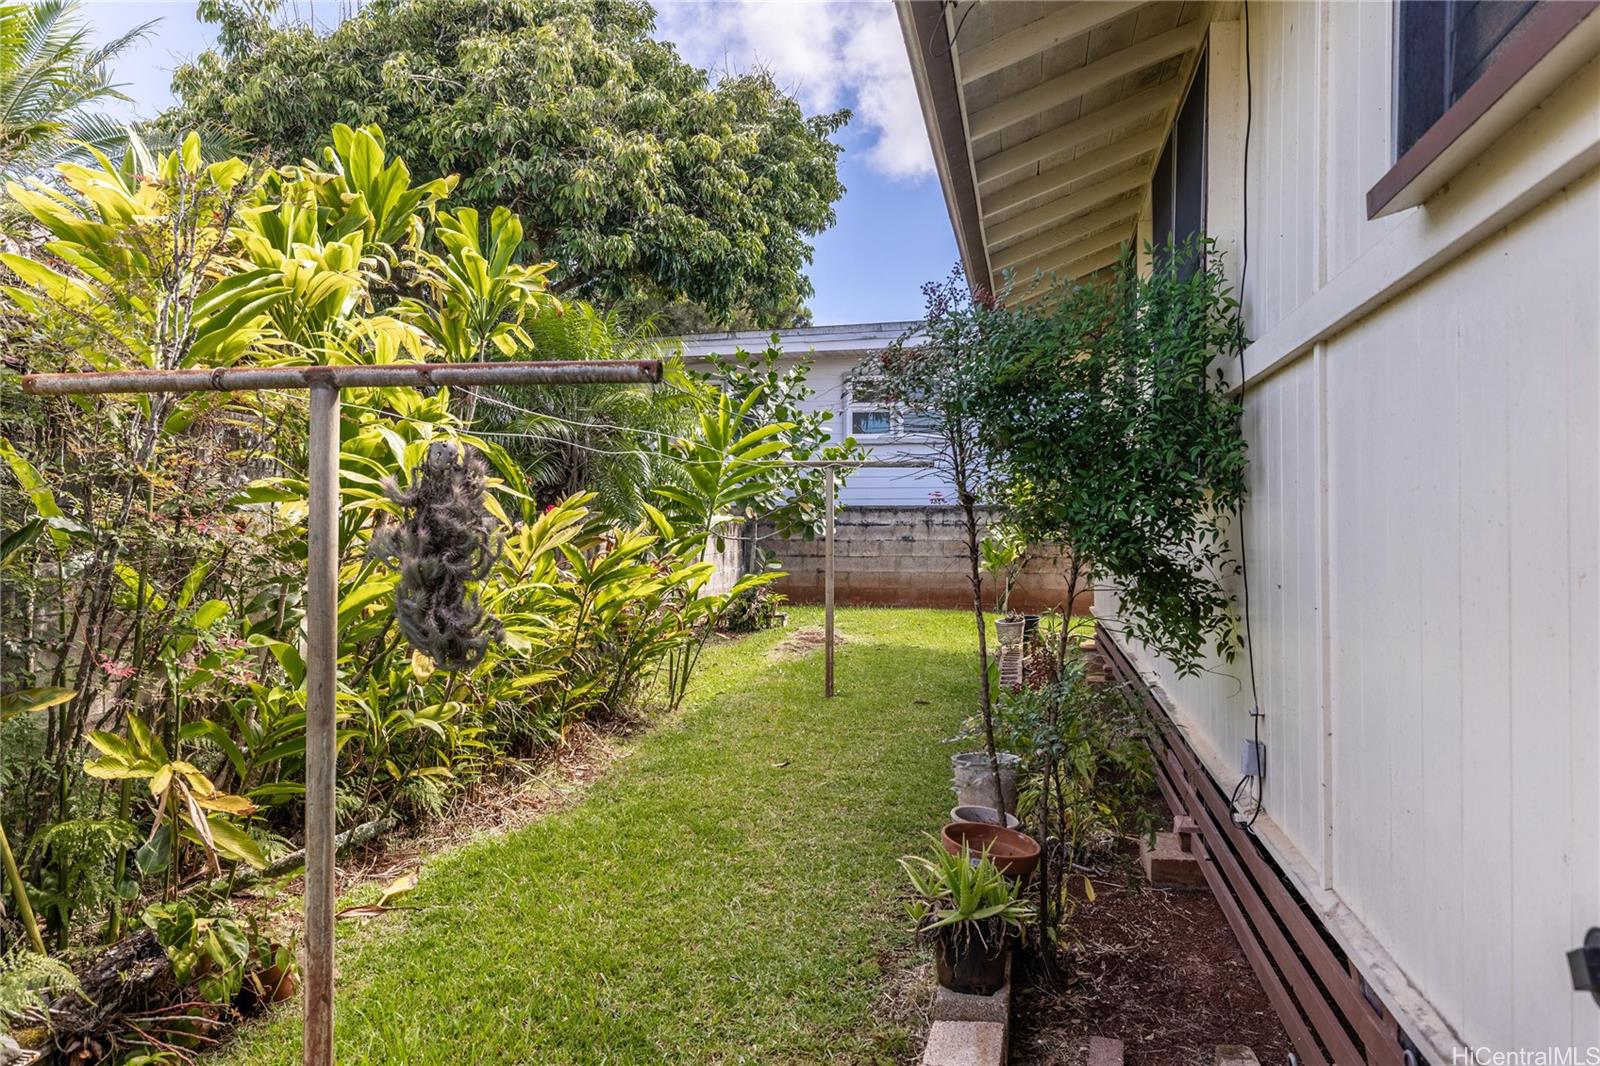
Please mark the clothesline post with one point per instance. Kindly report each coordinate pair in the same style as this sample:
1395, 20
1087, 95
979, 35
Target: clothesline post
830, 506
322, 577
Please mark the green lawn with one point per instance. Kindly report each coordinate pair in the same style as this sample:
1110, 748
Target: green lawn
726, 894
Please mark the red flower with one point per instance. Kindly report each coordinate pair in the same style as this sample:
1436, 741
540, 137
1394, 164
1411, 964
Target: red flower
119, 671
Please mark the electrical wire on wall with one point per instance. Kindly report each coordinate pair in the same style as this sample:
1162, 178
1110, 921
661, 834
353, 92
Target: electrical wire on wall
1253, 784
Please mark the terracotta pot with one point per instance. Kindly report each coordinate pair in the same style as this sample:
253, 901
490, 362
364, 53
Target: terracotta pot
279, 983
971, 965
1015, 853
977, 813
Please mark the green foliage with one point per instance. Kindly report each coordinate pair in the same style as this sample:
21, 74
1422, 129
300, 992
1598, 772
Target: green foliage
751, 611
1005, 553
690, 827
29, 981
152, 598
1113, 428
50, 79
626, 165
77, 859
962, 894
792, 501
210, 951
595, 438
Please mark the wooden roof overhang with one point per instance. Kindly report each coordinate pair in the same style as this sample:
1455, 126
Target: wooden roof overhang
1047, 119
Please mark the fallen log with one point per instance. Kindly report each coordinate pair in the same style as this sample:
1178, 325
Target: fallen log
354, 837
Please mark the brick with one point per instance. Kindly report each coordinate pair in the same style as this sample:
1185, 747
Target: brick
1168, 865
1103, 1051
965, 1044
1235, 1055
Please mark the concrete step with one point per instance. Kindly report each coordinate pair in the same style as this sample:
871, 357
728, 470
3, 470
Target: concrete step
1168, 864
1235, 1055
965, 1044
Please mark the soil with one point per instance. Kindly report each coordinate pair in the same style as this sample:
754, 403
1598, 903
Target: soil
1157, 969
804, 641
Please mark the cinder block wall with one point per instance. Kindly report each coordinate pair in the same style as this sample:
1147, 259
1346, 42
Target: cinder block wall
910, 557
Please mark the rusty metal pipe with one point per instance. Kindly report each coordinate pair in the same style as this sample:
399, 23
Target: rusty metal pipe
416, 375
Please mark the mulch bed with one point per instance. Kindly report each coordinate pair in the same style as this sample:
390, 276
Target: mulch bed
1157, 969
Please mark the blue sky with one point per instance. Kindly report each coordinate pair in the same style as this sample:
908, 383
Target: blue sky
893, 231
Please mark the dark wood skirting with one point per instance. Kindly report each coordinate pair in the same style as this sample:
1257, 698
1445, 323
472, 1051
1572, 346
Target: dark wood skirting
1531, 43
1314, 988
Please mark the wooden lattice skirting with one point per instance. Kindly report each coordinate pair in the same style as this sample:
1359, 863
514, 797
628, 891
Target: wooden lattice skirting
1316, 991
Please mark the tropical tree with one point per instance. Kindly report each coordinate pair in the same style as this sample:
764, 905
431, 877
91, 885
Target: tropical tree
1114, 432
931, 371
640, 178
51, 78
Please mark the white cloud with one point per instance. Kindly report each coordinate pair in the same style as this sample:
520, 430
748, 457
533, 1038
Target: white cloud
830, 54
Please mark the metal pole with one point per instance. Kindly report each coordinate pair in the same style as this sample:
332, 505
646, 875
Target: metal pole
414, 375
322, 654
827, 588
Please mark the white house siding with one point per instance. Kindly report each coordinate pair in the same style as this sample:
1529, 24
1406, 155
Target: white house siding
834, 351
1424, 539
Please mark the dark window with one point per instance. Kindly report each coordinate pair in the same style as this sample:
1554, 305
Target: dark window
1441, 48
1178, 188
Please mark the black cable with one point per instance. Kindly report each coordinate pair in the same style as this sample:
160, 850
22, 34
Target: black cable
950, 45
1244, 568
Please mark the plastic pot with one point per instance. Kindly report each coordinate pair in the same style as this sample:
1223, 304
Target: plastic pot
980, 813
1030, 628
974, 781
972, 965
1013, 852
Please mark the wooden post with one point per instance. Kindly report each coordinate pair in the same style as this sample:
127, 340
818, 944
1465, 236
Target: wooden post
322, 653
827, 587
322, 573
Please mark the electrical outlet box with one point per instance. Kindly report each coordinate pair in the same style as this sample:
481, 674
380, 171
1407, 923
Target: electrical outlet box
1253, 759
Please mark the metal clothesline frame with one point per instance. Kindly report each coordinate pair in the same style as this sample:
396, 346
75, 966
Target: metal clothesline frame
829, 468
322, 575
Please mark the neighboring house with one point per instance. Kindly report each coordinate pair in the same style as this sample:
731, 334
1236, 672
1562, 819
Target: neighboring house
899, 535
1407, 196
834, 351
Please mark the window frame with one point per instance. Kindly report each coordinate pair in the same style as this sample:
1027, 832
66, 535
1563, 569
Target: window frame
1531, 65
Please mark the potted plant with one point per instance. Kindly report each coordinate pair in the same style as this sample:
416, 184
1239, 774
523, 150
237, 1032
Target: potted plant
965, 905
1005, 552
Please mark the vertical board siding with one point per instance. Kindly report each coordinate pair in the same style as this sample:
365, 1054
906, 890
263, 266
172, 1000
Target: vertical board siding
1280, 425
1282, 195
1360, 141
1433, 724
1465, 530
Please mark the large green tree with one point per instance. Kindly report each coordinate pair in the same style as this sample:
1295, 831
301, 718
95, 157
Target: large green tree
642, 179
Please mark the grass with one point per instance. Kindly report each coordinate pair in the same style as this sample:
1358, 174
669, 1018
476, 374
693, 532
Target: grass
728, 893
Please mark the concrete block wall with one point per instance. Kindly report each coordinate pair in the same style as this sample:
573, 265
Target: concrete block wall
909, 557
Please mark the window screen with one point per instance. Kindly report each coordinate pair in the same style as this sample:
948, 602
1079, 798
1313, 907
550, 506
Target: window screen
1441, 49
1178, 188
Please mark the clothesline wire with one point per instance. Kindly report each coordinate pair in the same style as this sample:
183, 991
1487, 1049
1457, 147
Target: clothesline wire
575, 423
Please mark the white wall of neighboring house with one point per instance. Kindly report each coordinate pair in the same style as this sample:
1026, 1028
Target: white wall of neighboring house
1423, 529
834, 351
